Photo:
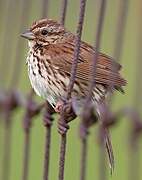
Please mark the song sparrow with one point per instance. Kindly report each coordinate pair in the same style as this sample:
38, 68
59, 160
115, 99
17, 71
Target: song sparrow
50, 59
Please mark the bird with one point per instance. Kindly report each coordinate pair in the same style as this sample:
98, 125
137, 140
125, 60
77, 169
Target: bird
50, 58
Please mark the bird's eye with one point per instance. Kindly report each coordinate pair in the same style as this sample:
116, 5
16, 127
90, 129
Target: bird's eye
44, 32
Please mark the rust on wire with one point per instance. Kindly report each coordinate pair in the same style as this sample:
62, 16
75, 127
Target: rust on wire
134, 163
47, 117
31, 110
138, 83
88, 105
47, 122
7, 37
45, 8
15, 82
63, 11
120, 29
19, 46
84, 154
10, 103
63, 126
97, 48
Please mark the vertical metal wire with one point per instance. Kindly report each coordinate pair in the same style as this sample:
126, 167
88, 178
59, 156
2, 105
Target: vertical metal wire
102, 162
7, 40
7, 147
47, 122
14, 82
63, 137
97, 48
27, 132
134, 149
8, 101
83, 158
45, 8
134, 161
19, 46
63, 11
77, 47
26, 155
47, 154
120, 29
92, 81
72, 80
138, 84
47, 115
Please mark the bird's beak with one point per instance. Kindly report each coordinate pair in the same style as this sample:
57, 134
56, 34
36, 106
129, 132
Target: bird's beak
28, 35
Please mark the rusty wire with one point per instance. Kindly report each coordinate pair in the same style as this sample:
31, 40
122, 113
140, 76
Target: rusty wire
63, 11
6, 48
63, 137
31, 110
102, 162
97, 48
28, 119
7, 148
120, 29
47, 117
27, 127
85, 116
45, 8
8, 105
9, 102
77, 47
134, 163
15, 80
19, 46
84, 149
138, 83
63, 121
27, 155
47, 122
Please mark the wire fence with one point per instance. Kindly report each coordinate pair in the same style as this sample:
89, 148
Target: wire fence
15, 16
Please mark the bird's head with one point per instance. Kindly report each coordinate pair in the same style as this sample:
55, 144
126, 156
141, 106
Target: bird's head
45, 32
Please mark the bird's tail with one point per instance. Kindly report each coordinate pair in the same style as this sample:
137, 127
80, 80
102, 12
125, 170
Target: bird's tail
109, 149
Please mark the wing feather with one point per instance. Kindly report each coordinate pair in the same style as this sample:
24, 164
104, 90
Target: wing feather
107, 71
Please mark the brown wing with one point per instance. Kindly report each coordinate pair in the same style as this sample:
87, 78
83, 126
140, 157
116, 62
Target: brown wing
107, 71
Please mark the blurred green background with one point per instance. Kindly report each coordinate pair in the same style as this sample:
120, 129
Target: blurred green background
120, 133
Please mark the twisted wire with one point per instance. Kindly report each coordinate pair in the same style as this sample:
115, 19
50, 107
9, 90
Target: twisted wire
119, 37
97, 48
120, 29
83, 158
63, 136
70, 87
26, 155
45, 8
134, 163
15, 78
77, 47
47, 122
63, 11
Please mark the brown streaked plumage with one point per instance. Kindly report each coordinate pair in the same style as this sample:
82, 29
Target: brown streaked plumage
49, 65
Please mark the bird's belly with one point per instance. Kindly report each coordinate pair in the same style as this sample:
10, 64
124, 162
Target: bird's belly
40, 84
